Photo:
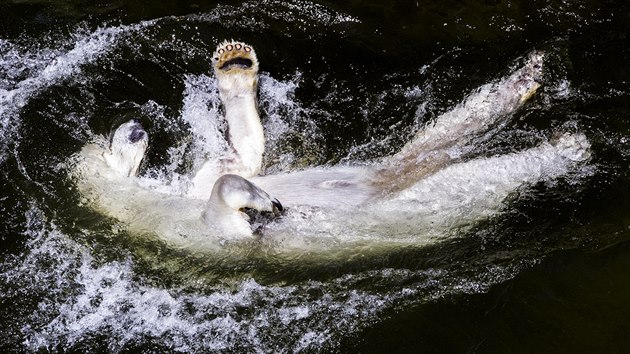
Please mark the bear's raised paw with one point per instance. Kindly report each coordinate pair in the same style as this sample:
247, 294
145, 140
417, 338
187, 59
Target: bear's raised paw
232, 56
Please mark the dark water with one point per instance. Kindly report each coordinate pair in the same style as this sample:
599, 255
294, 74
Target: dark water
340, 81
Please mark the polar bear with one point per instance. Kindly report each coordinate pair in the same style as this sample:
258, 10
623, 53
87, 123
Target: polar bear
423, 181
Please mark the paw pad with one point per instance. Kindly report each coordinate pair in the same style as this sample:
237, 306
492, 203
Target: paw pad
232, 55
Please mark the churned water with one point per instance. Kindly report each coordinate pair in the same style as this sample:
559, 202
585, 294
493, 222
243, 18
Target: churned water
341, 82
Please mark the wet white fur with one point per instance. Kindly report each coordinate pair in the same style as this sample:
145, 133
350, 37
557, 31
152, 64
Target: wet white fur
122, 156
433, 148
105, 172
416, 191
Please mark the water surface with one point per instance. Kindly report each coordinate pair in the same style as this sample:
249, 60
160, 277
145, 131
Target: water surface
341, 82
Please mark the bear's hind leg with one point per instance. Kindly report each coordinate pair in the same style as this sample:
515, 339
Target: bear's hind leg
437, 145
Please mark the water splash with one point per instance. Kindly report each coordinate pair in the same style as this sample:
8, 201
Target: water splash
292, 136
82, 301
73, 299
302, 16
49, 67
202, 112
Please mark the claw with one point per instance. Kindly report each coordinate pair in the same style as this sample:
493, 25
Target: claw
277, 207
237, 56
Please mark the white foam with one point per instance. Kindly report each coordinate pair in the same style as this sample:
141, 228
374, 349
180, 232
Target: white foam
110, 301
83, 300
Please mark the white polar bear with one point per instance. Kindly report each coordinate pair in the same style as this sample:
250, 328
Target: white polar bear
418, 190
